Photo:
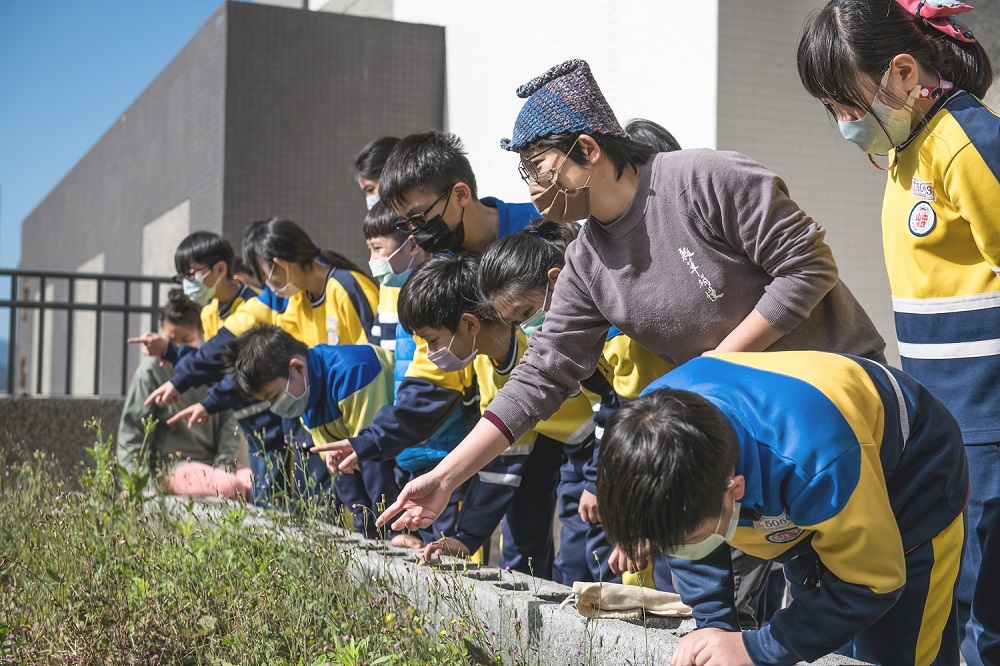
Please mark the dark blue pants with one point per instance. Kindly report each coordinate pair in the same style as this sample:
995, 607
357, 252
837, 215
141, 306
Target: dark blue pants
583, 548
527, 525
979, 584
922, 626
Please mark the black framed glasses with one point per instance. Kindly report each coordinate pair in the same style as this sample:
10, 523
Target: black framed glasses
192, 273
414, 222
527, 170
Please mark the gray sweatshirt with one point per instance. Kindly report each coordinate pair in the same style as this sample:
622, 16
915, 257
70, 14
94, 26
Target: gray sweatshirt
709, 237
215, 443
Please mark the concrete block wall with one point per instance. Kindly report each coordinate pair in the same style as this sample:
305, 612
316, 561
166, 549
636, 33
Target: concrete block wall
525, 614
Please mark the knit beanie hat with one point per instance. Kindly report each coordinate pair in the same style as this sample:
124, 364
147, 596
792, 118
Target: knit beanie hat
565, 99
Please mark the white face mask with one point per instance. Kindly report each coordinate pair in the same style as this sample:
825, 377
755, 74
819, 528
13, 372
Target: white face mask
705, 547
287, 291
371, 200
289, 406
448, 361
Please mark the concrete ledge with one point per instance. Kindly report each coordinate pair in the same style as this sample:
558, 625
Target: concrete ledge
522, 612
55, 424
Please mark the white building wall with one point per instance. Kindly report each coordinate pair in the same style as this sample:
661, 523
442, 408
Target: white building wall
646, 63
765, 113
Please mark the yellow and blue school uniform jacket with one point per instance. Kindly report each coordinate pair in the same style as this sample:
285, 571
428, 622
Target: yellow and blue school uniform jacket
623, 371
494, 486
432, 408
212, 315
420, 428
942, 249
342, 314
843, 457
348, 384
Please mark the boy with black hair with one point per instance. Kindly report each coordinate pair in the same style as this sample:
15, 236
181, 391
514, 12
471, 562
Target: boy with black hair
847, 470
429, 182
441, 303
334, 389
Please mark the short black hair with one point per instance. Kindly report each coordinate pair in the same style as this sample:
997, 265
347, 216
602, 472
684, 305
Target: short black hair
380, 222
206, 248
622, 151
440, 291
652, 134
371, 160
520, 262
180, 310
261, 355
663, 468
429, 162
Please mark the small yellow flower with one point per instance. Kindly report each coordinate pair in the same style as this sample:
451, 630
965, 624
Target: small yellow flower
416, 631
442, 633
389, 618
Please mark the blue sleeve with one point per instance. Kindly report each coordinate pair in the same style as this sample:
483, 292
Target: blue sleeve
203, 366
590, 470
421, 408
223, 396
174, 353
819, 621
707, 586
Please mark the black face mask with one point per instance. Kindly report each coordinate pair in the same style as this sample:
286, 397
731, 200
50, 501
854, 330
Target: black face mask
434, 235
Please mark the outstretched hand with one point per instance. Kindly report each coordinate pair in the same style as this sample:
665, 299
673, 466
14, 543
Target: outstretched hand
421, 501
446, 546
165, 395
154, 344
340, 456
196, 415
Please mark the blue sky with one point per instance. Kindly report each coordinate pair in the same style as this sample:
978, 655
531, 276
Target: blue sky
68, 68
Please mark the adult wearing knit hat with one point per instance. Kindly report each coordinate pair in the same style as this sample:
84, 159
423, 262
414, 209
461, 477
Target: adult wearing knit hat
564, 99
685, 252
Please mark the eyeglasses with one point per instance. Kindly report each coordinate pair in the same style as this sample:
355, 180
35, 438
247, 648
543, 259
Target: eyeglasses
414, 222
527, 170
191, 274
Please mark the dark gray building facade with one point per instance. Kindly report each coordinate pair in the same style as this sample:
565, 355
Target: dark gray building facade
261, 114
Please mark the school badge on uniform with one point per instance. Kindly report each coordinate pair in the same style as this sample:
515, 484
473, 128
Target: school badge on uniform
781, 529
922, 219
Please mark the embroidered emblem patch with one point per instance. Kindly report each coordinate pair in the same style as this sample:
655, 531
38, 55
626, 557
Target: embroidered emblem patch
784, 536
922, 219
921, 189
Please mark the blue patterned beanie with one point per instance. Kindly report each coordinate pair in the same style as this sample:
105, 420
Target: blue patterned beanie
565, 99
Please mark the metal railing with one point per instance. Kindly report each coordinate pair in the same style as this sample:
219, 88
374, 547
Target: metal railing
32, 295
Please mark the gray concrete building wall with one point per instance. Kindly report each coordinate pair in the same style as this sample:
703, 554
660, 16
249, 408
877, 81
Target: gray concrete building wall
305, 92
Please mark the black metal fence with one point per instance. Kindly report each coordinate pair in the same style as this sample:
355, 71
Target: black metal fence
57, 320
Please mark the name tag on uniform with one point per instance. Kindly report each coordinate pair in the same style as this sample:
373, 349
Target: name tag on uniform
780, 529
921, 189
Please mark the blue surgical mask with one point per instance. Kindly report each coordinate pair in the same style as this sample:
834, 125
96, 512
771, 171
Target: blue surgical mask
196, 289
535, 321
371, 200
448, 361
883, 127
289, 406
382, 270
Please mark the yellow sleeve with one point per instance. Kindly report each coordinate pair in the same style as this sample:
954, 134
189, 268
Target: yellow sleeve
630, 367
975, 193
250, 314
350, 330
861, 544
358, 409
